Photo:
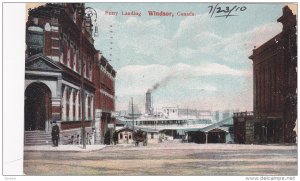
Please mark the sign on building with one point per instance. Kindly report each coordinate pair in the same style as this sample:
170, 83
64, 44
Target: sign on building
110, 125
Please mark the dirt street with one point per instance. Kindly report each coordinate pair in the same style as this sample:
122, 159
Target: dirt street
167, 159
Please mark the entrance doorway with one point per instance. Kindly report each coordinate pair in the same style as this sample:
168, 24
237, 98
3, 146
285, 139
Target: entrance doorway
37, 106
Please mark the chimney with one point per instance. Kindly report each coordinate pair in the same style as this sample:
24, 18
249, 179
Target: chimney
148, 107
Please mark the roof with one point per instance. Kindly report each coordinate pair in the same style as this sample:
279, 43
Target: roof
119, 122
218, 129
124, 129
267, 45
42, 63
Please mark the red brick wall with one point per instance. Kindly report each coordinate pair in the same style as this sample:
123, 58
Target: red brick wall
269, 80
73, 33
103, 101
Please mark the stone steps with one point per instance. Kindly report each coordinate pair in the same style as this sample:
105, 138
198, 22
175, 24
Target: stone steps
37, 138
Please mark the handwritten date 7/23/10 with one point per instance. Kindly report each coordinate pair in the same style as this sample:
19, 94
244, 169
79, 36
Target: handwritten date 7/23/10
217, 11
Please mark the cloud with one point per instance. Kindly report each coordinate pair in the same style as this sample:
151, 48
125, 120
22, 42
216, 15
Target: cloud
134, 41
204, 88
234, 48
208, 69
150, 51
139, 78
191, 26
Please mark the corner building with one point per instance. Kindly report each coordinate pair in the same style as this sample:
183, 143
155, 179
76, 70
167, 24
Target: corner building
61, 65
275, 88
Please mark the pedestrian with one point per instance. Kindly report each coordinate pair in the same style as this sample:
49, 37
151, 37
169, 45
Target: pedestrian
115, 137
55, 134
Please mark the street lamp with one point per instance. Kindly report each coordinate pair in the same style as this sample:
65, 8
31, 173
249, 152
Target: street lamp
90, 12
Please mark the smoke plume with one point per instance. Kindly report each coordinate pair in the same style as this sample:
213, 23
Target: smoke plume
161, 83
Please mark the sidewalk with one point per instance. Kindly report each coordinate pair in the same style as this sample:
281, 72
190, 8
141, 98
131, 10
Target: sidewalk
76, 148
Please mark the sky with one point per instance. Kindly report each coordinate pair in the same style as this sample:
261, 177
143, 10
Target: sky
199, 62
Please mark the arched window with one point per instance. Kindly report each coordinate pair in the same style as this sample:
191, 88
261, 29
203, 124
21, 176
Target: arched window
69, 56
34, 40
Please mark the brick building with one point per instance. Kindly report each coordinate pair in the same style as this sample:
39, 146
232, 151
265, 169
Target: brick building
243, 128
275, 85
104, 80
61, 61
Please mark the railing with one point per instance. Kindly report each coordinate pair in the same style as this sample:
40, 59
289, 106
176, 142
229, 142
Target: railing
243, 114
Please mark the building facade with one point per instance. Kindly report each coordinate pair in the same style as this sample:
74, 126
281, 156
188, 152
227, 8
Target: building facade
104, 98
275, 85
62, 73
244, 128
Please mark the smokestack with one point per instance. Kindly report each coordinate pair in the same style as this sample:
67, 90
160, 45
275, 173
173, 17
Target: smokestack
152, 107
148, 106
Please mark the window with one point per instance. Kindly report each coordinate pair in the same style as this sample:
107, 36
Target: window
89, 107
35, 40
75, 59
152, 135
72, 57
84, 70
90, 71
69, 56
74, 17
36, 21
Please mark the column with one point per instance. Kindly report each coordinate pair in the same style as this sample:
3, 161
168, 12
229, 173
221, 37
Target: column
71, 118
67, 104
92, 107
77, 105
206, 137
64, 104
227, 137
97, 126
86, 108
56, 111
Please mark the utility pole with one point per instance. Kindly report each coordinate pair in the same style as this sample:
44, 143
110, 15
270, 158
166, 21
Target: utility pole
82, 97
82, 87
132, 114
85, 12
187, 116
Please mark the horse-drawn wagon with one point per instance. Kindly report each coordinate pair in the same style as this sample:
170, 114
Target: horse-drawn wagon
140, 136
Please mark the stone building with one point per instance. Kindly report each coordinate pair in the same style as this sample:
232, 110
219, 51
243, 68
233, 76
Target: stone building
62, 74
275, 85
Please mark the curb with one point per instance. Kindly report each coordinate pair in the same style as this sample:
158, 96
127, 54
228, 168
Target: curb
62, 150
